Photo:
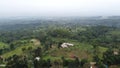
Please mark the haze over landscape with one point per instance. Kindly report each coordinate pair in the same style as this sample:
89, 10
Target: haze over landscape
59, 34
16, 8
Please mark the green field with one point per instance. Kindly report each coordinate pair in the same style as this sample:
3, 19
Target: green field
3, 45
18, 50
81, 50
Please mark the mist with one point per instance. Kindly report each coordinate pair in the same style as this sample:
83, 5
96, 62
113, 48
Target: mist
14, 8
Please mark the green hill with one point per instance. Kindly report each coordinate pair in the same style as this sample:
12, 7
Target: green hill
80, 50
3, 45
20, 50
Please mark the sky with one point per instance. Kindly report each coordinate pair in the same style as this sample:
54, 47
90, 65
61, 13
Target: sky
9, 8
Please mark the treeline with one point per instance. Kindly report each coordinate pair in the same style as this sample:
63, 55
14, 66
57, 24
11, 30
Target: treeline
99, 34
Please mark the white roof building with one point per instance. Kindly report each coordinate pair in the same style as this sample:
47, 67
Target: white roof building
66, 45
37, 58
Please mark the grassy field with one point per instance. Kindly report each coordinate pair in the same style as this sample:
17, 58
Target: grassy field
18, 50
3, 45
115, 33
81, 50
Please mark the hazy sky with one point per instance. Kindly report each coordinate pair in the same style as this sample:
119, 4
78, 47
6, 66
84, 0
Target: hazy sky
59, 7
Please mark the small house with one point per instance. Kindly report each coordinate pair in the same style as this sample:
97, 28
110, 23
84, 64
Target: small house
66, 45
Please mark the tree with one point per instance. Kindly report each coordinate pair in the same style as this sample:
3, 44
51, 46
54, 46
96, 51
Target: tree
1, 51
77, 62
109, 58
83, 61
12, 46
36, 64
23, 49
65, 63
38, 52
48, 63
17, 62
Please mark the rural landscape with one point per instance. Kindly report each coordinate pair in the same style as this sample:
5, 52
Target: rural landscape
59, 34
60, 42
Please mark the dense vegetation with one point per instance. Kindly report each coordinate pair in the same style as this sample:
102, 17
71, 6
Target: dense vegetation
38, 43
